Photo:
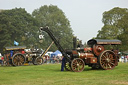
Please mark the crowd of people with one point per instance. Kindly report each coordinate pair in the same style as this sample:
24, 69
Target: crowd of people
53, 59
124, 58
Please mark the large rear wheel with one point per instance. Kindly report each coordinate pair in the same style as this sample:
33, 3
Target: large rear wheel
18, 59
107, 60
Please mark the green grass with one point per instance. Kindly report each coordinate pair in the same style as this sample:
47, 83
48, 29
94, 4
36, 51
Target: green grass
50, 74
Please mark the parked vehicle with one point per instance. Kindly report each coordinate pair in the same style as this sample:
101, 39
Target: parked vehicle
16, 56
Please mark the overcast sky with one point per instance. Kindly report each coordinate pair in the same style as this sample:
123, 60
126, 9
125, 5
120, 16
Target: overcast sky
85, 16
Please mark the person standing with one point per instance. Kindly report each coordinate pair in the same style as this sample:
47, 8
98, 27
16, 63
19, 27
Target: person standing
127, 58
122, 58
1, 59
62, 64
2, 63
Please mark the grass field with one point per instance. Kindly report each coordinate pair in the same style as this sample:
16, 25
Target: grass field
50, 74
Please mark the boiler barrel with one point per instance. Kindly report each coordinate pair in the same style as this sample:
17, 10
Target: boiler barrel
85, 55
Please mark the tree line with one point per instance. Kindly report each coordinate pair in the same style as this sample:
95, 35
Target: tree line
18, 25
115, 26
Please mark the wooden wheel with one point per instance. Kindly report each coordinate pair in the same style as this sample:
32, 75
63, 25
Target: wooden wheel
77, 65
107, 60
18, 59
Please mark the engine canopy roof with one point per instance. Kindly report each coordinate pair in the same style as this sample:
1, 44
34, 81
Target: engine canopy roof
15, 47
103, 42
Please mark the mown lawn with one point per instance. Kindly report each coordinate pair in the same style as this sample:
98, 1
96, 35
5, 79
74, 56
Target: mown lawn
50, 74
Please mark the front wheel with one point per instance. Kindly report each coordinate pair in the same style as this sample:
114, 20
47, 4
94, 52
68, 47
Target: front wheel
77, 65
38, 61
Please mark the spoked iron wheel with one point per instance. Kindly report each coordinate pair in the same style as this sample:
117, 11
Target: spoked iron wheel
107, 60
37, 61
77, 65
18, 59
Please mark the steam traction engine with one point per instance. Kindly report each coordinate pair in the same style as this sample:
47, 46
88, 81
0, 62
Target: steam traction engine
94, 56
16, 56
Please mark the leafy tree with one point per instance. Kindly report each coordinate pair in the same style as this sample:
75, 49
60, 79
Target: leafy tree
55, 18
111, 18
18, 25
115, 25
123, 23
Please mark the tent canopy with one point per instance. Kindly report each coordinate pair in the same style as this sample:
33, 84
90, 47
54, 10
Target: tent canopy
56, 53
125, 52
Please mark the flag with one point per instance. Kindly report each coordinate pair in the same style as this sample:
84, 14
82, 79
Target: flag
16, 43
